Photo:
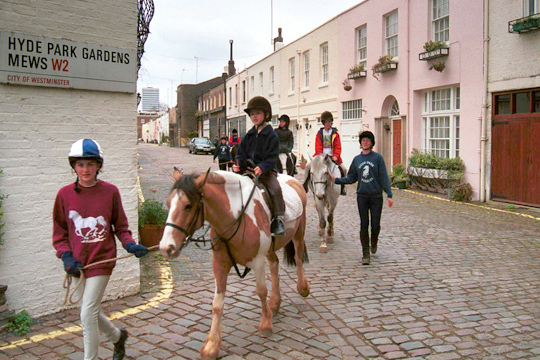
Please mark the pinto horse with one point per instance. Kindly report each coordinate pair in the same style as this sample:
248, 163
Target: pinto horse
240, 233
325, 193
286, 163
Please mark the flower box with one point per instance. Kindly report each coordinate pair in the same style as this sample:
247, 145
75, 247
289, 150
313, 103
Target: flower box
524, 24
434, 54
357, 75
381, 68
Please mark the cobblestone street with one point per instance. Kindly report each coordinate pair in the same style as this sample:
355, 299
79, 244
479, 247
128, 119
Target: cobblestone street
449, 281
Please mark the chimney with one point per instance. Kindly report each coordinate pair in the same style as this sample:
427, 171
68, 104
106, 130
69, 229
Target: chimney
278, 42
232, 70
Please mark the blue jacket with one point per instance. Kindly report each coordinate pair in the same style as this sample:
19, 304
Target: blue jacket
261, 147
370, 172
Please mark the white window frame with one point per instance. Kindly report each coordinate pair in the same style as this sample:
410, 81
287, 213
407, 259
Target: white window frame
244, 95
305, 60
261, 81
292, 72
272, 84
531, 7
252, 86
440, 23
391, 30
351, 110
324, 63
235, 95
361, 46
230, 96
441, 122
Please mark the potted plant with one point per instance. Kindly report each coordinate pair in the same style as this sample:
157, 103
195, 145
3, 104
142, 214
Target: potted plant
433, 50
460, 192
384, 64
346, 85
434, 173
399, 177
356, 72
438, 66
152, 218
303, 162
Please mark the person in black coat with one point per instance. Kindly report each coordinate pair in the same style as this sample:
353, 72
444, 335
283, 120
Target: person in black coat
261, 145
223, 154
286, 142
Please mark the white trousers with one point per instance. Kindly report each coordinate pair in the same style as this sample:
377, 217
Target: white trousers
93, 320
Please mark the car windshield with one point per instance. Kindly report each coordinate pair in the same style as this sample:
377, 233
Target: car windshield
202, 141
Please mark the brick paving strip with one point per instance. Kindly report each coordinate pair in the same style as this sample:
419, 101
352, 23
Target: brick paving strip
448, 282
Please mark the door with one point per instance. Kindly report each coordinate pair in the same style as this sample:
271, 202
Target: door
396, 142
349, 140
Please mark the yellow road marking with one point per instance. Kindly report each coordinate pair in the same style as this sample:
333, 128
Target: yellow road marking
474, 205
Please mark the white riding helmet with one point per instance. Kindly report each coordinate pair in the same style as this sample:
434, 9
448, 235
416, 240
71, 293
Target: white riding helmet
85, 149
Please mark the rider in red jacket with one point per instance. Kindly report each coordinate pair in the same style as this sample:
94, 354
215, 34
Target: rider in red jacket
328, 142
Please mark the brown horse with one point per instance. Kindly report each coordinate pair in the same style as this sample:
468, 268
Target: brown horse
240, 230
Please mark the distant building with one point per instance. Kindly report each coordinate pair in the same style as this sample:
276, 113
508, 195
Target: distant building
150, 99
144, 118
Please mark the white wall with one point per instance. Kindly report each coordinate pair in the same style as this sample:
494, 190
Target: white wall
37, 127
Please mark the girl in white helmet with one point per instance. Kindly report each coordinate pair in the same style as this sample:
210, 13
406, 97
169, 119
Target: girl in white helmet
86, 217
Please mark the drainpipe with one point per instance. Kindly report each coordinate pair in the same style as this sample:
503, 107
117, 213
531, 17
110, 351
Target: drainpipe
409, 118
299, 52
484, 137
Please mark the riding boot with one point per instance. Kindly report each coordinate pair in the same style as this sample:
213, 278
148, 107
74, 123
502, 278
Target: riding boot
364, 239
306, 183
374, 240
343, 174
343, 191
279, 226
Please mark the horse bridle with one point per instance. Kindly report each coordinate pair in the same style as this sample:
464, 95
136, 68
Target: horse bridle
192, 223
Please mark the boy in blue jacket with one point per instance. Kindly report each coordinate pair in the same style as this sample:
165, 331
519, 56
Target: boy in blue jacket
369, 170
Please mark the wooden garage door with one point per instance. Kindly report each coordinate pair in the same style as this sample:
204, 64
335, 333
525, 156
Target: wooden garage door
516, 147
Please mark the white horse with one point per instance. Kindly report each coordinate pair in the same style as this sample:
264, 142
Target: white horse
325, 193
83, 223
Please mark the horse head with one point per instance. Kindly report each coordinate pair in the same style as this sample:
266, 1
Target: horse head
321, 165
186, 212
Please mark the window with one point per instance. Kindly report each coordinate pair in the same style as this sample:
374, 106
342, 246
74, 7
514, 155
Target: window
361, 55
531, 7
252, 87
391, 34
306, 70
261, 81
394, 110
230, 97
517, 102
441, 122
352, 110
272, 80
244, 95
441, 21
291, 74
235, 94
324, 63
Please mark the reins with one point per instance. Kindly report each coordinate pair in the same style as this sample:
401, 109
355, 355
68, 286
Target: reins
69, 278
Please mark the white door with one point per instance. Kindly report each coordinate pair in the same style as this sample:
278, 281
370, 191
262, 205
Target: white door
349, 140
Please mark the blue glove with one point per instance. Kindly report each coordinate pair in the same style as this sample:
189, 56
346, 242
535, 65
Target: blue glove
137, 249
70, 264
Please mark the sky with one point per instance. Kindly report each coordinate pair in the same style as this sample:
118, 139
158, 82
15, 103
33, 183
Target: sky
189, 39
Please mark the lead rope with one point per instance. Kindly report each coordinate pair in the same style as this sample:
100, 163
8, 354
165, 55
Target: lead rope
69, 278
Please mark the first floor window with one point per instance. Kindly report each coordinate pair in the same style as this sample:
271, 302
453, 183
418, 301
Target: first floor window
324, 63
441, 122
292, 70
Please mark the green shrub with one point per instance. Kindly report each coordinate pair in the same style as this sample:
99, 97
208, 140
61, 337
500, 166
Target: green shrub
152, 212
20, 325
398, 174
428, 160
461, 192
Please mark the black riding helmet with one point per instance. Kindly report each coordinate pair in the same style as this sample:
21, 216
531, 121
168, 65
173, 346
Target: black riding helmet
224, 138
260, 103
326, 116
367, 134
286, 119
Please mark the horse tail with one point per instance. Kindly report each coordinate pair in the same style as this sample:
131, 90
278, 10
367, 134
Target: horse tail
289, 252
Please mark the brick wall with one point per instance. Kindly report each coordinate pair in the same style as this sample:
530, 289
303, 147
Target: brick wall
37, 127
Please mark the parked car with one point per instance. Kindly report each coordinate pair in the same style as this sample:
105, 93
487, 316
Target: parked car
203, 145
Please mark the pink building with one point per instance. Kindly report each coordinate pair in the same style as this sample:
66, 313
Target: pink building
406, 104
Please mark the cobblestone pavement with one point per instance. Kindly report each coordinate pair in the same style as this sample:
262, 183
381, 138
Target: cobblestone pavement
450, 281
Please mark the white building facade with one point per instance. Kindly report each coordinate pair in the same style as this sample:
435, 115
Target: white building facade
150, 99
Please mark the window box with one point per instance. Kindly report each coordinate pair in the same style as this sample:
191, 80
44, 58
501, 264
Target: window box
524, 24
381, 68
357, 74
434, 54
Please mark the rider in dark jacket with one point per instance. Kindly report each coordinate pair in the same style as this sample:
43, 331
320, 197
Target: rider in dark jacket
261, 145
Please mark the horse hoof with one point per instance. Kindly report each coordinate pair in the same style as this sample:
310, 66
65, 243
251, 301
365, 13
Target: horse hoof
330, 239
323, 249
265, 333
303, 292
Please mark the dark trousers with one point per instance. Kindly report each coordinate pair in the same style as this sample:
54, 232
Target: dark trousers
370, 204
271, 183
223, 166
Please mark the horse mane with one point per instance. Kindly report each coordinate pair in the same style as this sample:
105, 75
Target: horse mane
187, 184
